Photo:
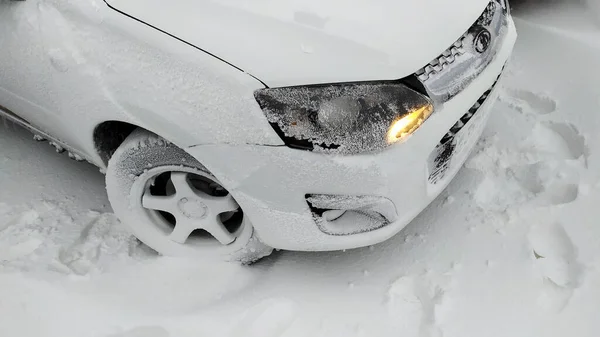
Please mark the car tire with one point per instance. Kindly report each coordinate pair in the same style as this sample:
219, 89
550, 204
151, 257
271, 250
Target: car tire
174, 205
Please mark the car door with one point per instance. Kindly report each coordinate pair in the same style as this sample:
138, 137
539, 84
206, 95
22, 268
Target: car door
25, 69
70, 66
45, 74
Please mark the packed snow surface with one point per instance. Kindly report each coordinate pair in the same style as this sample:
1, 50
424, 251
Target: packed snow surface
511, 248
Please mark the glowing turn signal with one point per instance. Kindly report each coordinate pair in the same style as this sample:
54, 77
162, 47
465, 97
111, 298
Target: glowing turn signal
408, 123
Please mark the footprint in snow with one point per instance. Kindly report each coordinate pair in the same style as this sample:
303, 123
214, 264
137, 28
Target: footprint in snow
411, 305
563, 154
527, 101
559, 141
556, 261
554, 158
544, 185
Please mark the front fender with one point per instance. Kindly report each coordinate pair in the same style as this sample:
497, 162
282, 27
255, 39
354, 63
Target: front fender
179, 91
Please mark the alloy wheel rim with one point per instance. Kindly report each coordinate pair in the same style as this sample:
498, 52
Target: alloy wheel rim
191, 208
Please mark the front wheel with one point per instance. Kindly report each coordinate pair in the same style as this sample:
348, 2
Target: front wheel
173, 204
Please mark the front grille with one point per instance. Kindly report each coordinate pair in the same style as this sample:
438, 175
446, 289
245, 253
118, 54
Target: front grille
443, 61
488, 15
457, 49
455, 129
451, 72
451, 146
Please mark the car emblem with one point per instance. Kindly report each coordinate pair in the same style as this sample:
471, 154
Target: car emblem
483, 41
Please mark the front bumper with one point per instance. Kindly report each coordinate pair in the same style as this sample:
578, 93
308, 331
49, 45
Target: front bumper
271, 183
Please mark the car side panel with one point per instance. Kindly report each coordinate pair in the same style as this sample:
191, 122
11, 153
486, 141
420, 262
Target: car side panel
24, 80
98, 65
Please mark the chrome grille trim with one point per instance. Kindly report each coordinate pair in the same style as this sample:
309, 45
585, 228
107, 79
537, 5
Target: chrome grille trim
464, 120
439, 64
488, 15
452, 71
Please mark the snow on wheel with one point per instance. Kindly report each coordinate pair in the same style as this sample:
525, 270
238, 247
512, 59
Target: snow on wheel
175, 205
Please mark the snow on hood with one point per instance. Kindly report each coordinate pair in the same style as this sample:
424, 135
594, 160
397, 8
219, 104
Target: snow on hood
296, 42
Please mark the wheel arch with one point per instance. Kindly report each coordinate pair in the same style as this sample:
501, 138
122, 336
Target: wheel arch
109, 135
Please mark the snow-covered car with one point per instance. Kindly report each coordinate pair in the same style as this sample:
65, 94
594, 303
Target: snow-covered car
228, 128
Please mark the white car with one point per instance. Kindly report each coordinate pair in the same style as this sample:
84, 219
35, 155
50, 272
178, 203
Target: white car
227, 128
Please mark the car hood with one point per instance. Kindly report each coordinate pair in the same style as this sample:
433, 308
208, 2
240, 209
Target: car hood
296, 42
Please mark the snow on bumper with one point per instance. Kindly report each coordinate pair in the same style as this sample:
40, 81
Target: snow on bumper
271, 183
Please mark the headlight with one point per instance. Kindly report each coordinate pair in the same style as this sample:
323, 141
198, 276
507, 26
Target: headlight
345, 118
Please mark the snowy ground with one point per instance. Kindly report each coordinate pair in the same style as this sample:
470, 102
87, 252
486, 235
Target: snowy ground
512, 248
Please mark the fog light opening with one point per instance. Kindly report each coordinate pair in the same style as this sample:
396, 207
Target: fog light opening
349, 215
333, 215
